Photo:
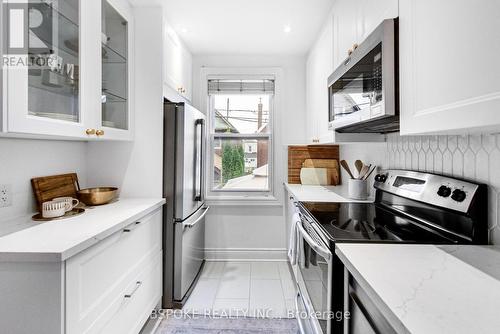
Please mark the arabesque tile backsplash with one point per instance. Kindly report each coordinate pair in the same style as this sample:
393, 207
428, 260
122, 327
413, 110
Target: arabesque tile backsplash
473, 157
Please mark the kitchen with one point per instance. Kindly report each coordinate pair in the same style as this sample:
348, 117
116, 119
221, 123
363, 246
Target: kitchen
246, 220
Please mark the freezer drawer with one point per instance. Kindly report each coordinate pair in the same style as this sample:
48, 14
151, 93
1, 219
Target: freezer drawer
189, 252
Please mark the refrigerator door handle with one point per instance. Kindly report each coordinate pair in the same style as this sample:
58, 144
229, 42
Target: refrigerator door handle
191, 225
198, 170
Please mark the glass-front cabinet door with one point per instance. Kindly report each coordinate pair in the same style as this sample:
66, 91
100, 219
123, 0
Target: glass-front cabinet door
66, 68
43, 84
115, 112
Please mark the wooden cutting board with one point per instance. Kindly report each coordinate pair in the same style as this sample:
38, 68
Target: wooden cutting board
297, 154
331, 164
49, 187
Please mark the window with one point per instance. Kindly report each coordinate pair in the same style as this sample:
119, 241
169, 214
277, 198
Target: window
240, 113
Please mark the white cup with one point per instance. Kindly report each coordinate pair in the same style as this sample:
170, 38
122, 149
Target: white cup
358, 189
69, 202
53, 209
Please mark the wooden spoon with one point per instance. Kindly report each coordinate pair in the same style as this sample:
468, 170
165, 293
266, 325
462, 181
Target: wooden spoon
370, 173
344, 164
363, 172
359, 166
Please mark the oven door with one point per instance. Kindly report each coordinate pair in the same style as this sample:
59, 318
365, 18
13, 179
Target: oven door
315, 279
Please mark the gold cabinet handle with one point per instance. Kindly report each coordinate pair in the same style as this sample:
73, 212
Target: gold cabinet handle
99, 133
90, 132
355, 46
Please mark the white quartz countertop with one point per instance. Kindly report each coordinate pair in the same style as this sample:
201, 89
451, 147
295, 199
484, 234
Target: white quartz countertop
430, 289
307, 193
59, 240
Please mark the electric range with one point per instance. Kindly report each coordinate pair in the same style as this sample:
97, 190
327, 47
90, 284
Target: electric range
409, 207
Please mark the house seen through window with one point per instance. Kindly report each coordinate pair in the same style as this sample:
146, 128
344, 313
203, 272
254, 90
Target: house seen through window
241, 131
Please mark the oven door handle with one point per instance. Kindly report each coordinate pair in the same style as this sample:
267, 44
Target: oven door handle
324, 252
298, 315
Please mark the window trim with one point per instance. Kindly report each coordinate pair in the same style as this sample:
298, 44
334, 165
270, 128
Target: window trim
228, 198
242, 192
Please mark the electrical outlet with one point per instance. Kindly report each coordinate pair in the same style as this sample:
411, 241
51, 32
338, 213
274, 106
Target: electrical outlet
5, 195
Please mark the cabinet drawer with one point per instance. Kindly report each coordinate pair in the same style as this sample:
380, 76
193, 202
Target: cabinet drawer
97, 276
132, 307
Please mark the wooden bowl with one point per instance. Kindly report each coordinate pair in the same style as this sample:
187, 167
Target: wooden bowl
97, 196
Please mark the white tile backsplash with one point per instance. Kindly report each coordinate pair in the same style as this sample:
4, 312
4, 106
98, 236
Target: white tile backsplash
473, 157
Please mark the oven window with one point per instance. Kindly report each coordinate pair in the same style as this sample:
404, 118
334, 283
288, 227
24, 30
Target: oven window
358, 89
314, 270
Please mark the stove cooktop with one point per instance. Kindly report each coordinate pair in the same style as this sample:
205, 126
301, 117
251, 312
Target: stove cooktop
365, 222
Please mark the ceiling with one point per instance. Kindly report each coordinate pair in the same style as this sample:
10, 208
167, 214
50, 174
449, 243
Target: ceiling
247, 26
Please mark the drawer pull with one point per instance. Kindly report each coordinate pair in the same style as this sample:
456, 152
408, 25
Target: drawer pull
127, 230
137, 286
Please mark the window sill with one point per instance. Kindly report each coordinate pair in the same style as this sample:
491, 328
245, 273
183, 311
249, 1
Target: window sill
243, 201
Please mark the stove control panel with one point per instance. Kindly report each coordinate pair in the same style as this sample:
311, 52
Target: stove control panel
428, 188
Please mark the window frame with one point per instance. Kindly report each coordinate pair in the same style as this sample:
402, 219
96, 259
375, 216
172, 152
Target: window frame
271, 197
212, 137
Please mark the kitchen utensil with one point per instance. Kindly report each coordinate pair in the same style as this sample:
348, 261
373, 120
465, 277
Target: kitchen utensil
53, 209
314, 176
51, 79
369, 173
69, 214
49, 187
363, 172
358, 189
331, 164
345, 165
69, 202
97, 196
359, 166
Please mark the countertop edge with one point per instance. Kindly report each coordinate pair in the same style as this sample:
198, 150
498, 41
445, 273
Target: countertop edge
40, 257
393, 319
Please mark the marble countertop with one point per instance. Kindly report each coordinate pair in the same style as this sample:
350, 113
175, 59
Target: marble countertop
59, 240
307, 193
430, 289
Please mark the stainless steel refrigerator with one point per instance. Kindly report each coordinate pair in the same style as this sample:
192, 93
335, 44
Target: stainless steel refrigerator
184, 216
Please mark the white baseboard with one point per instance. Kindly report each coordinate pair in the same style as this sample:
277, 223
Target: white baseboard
245, 254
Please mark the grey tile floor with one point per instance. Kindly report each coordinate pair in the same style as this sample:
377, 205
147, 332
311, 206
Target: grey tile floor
244, 289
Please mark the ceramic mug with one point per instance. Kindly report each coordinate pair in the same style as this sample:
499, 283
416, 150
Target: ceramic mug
69, 202
53, 209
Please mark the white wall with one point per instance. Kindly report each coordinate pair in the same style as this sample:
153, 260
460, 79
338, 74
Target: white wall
23, 159
136, 167
256, 232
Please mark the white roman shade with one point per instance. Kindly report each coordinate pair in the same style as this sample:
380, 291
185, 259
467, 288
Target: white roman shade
219, 86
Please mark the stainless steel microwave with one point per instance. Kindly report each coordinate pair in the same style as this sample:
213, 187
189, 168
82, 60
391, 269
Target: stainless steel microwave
364, 89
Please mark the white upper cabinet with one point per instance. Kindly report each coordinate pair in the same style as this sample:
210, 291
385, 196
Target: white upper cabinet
318, 67
449, 66
354, 20
58, 92
178, 64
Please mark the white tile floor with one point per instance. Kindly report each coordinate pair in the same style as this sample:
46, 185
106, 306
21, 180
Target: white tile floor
260, 289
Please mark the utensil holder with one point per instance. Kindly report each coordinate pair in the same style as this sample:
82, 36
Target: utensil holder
358, 189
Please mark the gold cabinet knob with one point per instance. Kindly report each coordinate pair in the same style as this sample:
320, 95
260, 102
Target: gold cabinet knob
355, 46
90, 132
99, 133
350, 51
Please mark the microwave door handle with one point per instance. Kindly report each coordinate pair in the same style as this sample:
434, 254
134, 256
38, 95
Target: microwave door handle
324, 252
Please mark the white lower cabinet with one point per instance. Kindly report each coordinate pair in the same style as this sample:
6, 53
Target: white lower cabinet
114, 277
110, 287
